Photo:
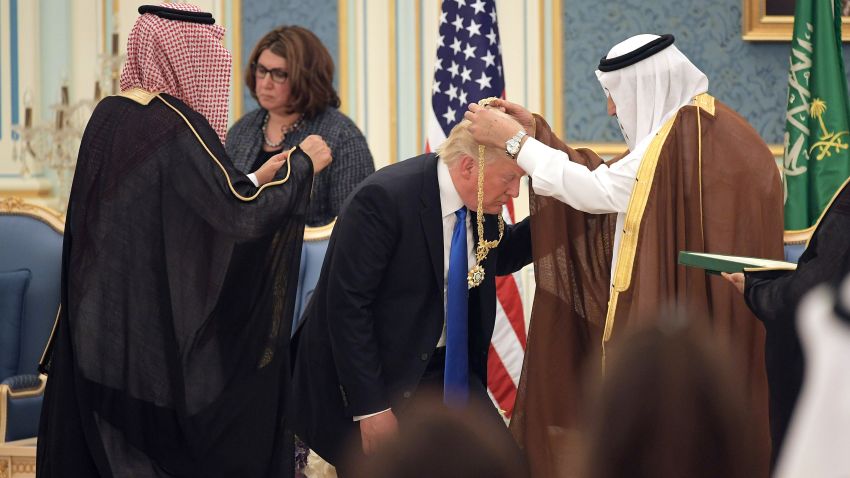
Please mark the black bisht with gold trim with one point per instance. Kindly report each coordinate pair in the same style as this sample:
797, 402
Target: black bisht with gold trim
171, 356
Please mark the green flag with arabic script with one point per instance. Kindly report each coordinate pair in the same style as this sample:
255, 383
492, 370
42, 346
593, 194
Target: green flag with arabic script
817, 126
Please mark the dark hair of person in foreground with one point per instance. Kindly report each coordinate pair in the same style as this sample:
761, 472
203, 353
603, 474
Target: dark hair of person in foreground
436, 441
670, 405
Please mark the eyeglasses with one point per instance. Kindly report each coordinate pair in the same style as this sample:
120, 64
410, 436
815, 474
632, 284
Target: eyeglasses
278, 75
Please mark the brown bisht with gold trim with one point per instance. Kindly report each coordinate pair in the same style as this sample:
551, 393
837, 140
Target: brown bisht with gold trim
171, 356
707, 183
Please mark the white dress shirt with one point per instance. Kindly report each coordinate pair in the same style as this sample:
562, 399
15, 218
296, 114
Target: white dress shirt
606, 189
450, 202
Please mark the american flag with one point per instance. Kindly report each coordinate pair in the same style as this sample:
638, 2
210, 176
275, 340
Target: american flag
469, 68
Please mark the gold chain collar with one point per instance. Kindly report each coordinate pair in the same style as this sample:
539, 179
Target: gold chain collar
476, 274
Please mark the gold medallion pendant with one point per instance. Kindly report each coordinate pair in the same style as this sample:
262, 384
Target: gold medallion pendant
476, 274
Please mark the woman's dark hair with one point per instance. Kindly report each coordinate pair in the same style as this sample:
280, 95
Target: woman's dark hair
310, 67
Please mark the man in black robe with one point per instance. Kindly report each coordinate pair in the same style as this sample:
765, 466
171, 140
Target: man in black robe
171, 355
774, 297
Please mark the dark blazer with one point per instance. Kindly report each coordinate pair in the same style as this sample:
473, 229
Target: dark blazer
377, 313
774, 298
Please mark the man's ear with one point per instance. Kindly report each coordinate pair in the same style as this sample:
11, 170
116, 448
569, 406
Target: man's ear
467, 165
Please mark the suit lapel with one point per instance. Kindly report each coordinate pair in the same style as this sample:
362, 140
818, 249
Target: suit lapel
432, 216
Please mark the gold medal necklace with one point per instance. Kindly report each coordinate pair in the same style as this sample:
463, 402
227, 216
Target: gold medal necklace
476, 274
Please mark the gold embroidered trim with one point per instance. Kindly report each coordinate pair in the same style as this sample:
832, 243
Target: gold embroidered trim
50, 338
623, 269
631, 229
704, 101
140, 96
223, 170
699, 172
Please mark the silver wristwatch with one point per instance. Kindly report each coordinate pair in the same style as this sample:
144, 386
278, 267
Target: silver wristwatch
512, 145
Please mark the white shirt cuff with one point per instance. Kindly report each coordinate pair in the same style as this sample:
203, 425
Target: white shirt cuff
253, 178
533, 152
361, 417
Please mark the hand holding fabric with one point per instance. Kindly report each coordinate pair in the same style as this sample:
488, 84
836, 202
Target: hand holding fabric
318, 151
490, 126
269, 168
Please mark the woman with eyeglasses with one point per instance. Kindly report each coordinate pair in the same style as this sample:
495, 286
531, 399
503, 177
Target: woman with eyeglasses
290, 74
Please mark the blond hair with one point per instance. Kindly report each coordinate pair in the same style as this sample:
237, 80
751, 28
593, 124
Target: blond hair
460, 143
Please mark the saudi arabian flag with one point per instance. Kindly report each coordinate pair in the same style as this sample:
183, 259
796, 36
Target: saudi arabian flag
817, 159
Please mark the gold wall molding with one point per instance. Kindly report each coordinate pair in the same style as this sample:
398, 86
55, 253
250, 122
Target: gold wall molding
26, 187
602, 149
238, 77
420, 130
550, 14
342, 45
393, 79
541, 41
758, 26
558, 65
367, 71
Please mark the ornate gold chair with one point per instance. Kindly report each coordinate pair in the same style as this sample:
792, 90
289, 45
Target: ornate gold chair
30, 277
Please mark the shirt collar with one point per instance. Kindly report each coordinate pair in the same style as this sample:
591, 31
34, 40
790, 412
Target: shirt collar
450, 200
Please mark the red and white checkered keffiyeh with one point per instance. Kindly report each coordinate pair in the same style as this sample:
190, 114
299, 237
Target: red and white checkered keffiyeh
186, 60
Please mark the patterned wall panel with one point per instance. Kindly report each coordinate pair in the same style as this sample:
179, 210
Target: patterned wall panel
260, 16
749, 77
